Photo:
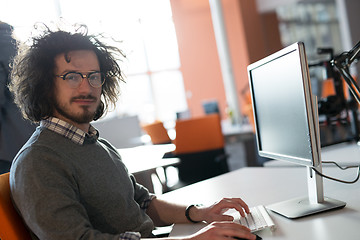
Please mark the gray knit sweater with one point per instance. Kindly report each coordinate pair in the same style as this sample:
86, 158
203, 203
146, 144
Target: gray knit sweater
64, 190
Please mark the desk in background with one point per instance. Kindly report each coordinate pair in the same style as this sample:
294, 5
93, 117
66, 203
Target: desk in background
143, 162
345, 154
270, 185
240, 144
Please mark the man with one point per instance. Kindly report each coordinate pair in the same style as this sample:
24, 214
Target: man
14, 130
66, 182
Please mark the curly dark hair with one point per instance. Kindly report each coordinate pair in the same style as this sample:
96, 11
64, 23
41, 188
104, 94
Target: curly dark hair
32, 75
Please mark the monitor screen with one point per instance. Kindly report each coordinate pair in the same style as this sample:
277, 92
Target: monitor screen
287, 126
283, 107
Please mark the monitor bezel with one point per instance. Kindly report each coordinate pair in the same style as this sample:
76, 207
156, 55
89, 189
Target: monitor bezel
310, 105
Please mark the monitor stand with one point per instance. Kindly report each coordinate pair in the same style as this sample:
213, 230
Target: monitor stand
305, 206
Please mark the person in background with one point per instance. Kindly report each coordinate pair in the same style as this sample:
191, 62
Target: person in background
14, 130
66, 181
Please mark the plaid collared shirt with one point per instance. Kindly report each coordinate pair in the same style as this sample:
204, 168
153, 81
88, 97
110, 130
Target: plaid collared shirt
67, 130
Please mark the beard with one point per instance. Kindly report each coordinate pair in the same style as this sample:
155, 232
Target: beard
86, 116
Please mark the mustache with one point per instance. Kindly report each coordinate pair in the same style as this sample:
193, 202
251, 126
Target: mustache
87, 97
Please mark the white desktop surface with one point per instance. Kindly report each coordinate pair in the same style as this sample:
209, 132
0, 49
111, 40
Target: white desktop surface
270, 185
147, 157
343, 153
234, 129
143, 162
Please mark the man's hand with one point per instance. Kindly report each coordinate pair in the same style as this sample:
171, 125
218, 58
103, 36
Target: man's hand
220, 226
222, 230
216, 211
217, 231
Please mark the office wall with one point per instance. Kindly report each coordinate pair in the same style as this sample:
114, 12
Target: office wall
251, 36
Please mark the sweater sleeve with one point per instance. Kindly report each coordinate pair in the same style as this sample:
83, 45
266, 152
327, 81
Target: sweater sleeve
44, 193
142, 195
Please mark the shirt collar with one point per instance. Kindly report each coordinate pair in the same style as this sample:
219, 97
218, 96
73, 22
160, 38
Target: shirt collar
67, 130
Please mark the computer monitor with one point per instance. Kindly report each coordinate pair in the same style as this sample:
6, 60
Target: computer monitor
286, 124
211, 107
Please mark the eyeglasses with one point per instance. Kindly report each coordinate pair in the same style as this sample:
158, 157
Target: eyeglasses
74, 79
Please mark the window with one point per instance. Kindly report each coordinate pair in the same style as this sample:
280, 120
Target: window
144, 31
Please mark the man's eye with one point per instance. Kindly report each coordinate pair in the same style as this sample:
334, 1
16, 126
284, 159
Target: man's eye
71, 77
94, 78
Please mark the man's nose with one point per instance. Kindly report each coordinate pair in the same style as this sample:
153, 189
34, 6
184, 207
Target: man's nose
85, 86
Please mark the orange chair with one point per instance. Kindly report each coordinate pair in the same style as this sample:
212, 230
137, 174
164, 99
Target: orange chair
12, 226
157, 133
200, 146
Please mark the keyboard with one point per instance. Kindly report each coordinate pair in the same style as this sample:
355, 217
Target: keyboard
256, 220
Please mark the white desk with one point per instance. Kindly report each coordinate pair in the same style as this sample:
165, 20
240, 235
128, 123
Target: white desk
343, 153
269, 185
143, 162
230, 129
147, 157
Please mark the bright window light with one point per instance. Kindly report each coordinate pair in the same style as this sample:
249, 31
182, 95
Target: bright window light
143, 30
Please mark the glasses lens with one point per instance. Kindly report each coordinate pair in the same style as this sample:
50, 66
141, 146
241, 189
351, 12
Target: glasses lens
96, 79
73, 79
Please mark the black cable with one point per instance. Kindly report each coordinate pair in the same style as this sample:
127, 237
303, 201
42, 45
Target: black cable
342, 168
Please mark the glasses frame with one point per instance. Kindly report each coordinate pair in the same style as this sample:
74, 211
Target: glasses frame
84, 76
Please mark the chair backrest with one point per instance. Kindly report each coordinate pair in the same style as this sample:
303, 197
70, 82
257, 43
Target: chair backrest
12, 226
157, 133
199, 134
